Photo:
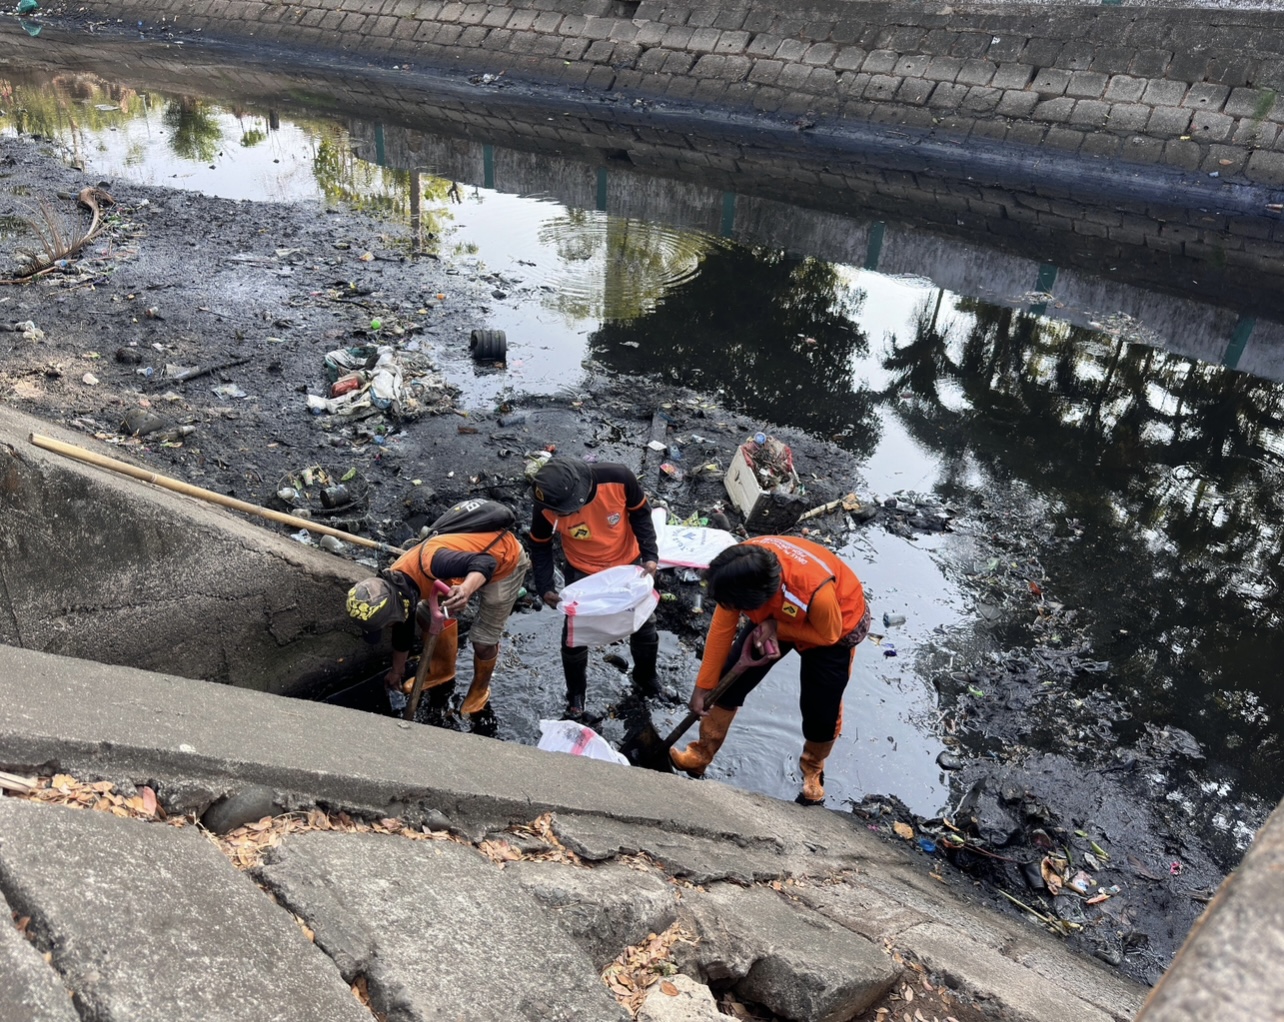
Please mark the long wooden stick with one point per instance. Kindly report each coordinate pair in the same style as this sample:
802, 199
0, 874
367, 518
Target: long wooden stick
412, 704
102, 461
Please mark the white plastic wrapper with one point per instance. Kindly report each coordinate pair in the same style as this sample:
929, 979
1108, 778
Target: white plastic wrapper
608, 605
577, 740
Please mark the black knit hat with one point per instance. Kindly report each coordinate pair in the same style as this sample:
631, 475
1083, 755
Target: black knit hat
564, 485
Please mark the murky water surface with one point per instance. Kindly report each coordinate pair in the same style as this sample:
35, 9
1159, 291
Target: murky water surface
1168, 465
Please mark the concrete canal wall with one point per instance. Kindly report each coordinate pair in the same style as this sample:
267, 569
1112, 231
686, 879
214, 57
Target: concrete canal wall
1194, 89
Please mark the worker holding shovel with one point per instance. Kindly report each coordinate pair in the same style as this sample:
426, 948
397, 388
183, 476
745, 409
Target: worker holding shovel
489, 561
795, 595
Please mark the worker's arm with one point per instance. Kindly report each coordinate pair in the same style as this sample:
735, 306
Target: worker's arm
475, 569
641, 524
541, 536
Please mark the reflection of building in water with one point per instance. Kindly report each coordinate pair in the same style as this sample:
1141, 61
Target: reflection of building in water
1141, 294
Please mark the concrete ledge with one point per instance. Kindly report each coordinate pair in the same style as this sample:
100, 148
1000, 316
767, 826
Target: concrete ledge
1229, 966
101, 566
194, 742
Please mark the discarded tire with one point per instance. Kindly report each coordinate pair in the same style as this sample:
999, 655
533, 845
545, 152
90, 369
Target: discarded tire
488, 345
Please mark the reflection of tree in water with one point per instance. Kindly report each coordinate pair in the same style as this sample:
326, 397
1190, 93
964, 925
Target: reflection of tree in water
617, 268
343, 177
195, 133
771, 333
1173, 467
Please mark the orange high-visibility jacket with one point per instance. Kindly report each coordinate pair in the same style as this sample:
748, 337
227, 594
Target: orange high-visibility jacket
611, 529
819, 601
452, 556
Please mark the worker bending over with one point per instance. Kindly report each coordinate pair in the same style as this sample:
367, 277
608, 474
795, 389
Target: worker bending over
491, 563
804, 597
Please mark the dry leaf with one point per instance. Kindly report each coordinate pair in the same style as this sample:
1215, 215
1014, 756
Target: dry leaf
668, 989
903, 830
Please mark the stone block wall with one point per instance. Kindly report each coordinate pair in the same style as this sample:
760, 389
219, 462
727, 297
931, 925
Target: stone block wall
1192, 89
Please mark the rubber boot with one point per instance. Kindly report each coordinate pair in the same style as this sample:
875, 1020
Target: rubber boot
479, 691
812, 762
645, 655
575, 667
699, 754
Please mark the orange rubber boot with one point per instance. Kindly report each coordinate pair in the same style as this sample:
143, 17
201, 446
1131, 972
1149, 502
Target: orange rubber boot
812, 762
441, 666
699, 754
479, 691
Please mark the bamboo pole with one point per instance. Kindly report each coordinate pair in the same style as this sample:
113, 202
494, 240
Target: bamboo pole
102, 461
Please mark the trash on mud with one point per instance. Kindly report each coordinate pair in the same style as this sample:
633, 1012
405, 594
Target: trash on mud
763, 485
228, 391
28, 6
366, 379
577, 740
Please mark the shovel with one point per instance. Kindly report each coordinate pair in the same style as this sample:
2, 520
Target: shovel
437, 619
648, 749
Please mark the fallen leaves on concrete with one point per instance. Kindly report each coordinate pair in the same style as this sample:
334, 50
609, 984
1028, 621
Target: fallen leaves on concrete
247, 846
636, 969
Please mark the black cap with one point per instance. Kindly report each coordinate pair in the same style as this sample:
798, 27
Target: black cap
564, 485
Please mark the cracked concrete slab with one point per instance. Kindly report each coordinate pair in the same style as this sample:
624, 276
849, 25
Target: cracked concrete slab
703, 860
1016, 993
606, 908
150, 923
31, 988
866, 908
437, 930
776, 952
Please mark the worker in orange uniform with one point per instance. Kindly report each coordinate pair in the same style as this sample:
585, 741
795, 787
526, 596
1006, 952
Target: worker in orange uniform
602, 517
803, 597
491, 563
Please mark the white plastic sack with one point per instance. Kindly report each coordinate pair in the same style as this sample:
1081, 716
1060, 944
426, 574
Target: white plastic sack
578, 740
607, 605
688, 546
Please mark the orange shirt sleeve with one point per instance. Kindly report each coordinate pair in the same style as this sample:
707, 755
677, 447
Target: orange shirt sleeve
823, 625
717, 647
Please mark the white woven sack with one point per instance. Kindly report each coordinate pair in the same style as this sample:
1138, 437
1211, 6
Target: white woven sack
688, 546
608, 605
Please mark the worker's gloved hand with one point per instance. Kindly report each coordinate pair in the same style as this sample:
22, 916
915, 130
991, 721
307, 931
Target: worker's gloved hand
650, 567
696, 703
552, 599
392, 680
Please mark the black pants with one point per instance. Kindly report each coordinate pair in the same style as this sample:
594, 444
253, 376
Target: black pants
823, 678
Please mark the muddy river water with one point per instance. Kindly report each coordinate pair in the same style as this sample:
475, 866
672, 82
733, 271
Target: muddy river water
1127, 491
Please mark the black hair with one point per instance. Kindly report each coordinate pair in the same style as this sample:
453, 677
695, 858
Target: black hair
743, 577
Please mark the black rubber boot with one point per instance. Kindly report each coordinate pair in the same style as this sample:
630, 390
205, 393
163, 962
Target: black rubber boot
575, 667
645, 679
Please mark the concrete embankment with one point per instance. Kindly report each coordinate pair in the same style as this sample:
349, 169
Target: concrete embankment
100, 567
1194, 89
801, 910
